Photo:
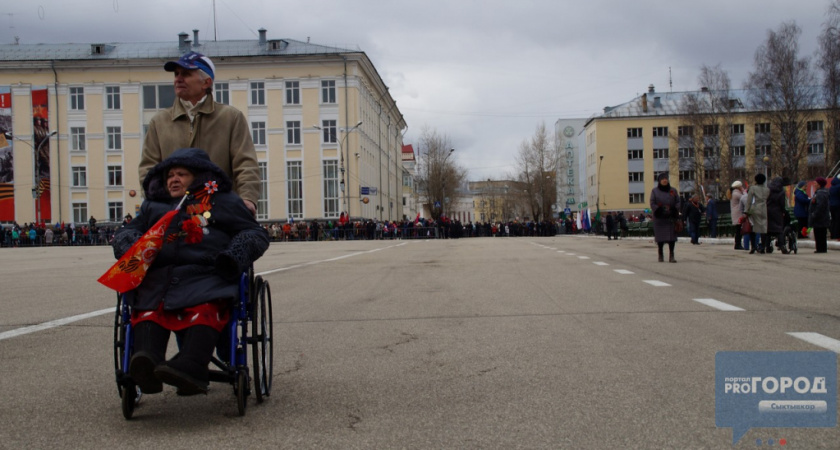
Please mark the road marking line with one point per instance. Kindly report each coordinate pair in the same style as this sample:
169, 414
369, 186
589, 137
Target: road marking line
561, 251
623, 271
570, 254
819, 340
656, 283
718, 304
54, 323
583, 257
600, 263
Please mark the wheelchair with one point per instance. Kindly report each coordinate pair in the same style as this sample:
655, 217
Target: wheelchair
787, 241
250, 326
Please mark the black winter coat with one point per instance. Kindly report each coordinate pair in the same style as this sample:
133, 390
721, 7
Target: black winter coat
183, 274
776, 207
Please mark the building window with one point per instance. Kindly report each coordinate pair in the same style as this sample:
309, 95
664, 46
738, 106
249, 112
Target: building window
331, 189
711, 152
685, 131
327, 91
115, 211
221, 92
762, 150
80, 214
660, 131
77, 139
635, 154
737, 128
294, 184
711, 130
114, 135
816, 125
293, 132
77, 98
158, 96
711, 175
636, 177
262, 203
687, 175
762, 128
634, 132
637, 198
258, 133
257, 93
79, 176
330, 131
112, 97
739, 150
660, 153
293, 93
816, 149
115, 176
686, 152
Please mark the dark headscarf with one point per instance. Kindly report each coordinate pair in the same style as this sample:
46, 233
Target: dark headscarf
665, 176
196, 161
760, 178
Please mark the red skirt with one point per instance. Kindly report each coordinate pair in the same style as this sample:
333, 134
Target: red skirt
214, 314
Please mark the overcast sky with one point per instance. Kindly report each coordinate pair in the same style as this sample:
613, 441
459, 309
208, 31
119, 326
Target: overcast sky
484, 73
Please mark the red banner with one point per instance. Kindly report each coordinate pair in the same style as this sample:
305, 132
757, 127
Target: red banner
41, 127
7, 166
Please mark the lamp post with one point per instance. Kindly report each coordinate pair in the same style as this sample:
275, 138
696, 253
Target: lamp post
766, 163
343, 182
36, 174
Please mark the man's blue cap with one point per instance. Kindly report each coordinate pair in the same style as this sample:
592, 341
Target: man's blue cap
193, 61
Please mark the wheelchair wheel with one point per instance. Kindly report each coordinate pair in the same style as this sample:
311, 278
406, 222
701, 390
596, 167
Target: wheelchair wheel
262, 339
119, 345
241, 391
130, 396
790, 240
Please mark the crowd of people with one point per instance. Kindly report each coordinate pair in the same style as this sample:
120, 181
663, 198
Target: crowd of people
44, 234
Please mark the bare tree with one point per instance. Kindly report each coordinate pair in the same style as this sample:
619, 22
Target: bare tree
711, 144
537, 163
828, 61
783, 87
440, 176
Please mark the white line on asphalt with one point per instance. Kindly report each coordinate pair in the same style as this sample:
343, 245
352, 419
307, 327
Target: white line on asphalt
561, 251
583, 257
600, 263
819, 340
53, 324
656, 283
623, 271
717, 304
570, 254
66, 320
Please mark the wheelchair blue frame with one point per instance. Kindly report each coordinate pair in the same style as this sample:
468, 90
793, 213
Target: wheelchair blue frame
254, 306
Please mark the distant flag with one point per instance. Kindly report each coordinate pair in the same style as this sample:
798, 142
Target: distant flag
587, 224
130, 270
578, 222
417, 219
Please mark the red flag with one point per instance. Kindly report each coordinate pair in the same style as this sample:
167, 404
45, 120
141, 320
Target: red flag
417, 219
130, 270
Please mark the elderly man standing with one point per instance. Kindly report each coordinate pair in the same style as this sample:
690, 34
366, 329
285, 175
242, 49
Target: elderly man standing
197, 121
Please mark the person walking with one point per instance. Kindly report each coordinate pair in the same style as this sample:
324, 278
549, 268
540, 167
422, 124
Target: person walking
665, 204
756, 210
776, 206
819, 216
834, 207
711, 215
610, 226
801, 202
693, 214
196, 120
735, 193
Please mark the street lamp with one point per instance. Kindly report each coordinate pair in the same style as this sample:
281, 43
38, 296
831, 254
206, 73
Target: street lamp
443, 180
36, 174
766, 163
342, 183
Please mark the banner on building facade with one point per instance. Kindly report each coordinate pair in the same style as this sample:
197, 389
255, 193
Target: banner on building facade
41, 143
7, 166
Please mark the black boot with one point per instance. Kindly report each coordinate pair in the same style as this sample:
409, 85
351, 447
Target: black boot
671, 258
150, 341
188, 369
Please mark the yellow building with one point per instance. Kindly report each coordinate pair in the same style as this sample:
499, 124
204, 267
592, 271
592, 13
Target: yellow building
627, 146
326, 130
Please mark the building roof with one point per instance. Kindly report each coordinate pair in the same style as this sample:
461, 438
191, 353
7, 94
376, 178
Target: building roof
652, 104
167, 49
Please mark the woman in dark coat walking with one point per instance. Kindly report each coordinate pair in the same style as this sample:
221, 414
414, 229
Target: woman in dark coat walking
819, 216
665, 204
776, 205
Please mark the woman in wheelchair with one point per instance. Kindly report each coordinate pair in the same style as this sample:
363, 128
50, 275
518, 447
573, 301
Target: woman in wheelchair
189, 286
